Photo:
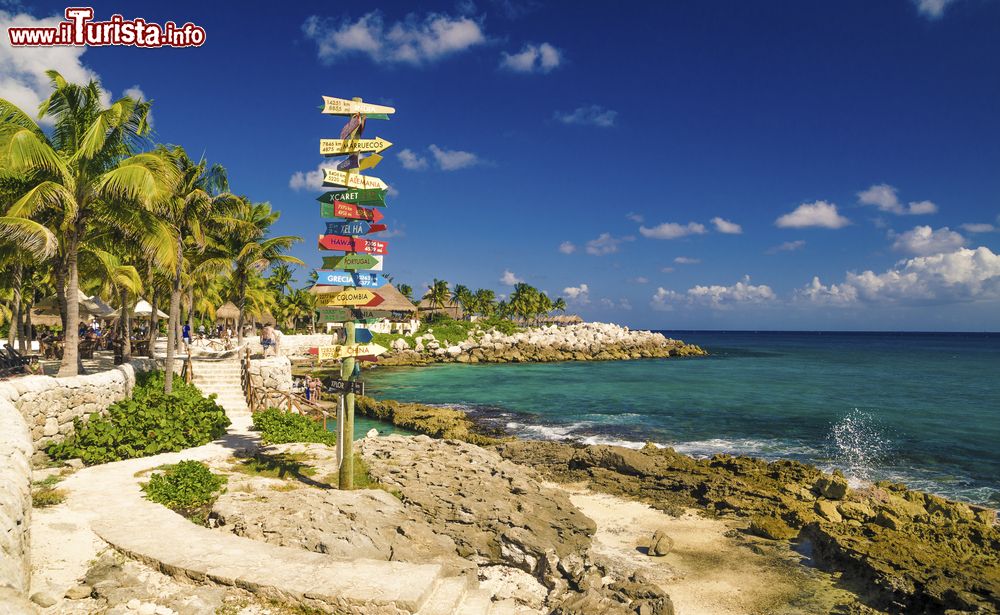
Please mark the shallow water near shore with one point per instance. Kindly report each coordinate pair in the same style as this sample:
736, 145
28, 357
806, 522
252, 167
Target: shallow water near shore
922, 409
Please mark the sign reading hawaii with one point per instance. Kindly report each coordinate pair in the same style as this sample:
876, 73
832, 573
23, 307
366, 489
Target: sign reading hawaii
81, 30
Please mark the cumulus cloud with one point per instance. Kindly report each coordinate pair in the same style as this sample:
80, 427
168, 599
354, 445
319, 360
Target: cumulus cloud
567, 247
640, 280
684, 260
960, 276
788, 246
974, 227
932, 9
411, 160
532, 59
593, 115
820, 213
883, 196
634, 217
310, 180
611, 304
453, 159
923, 241
509, 279
714, 296
605, 243
411, 41
22, 71
577, 294
727, 227
667, 269
672, 230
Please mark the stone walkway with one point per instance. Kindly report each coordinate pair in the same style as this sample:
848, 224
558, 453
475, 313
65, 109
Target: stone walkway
106, 502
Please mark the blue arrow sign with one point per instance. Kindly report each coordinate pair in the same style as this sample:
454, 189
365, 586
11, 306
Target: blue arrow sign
355, 227
363, 279
362, 336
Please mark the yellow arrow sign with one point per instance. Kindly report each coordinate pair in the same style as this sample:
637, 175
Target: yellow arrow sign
337, 147
369, 162
340, 106
356, 296
332, 353
353, 180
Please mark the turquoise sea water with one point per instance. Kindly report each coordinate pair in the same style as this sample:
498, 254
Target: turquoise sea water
923, 409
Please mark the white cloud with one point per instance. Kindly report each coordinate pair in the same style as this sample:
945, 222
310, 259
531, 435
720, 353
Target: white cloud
634, 217
923, 241
641, 280
509, 279
310, 180
974, 227
672, 230
715, 296
883, 196
611, 304
932, 9
411, 160
605, 243
567, 247
411, 41
577, 294
959, 276
684, 260
788, 246
452, 159
593, 115
725, 226
820, 213
136, 93
532, 59
667, 269
22, 70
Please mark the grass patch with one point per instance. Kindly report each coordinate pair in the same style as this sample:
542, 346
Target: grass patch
280, 427
43, 497
188, 488
284, 466
363, 478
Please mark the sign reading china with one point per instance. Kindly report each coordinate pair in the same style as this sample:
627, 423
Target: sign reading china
332, 353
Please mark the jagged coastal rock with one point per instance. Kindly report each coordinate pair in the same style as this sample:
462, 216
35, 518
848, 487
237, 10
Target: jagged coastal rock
593, 341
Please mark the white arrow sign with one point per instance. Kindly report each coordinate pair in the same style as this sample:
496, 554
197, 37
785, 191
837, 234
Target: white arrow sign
340, 106
353, 180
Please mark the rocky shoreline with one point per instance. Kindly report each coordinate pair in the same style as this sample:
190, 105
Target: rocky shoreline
582, 342
899, 550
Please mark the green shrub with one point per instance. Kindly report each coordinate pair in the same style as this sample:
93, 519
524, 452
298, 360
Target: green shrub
146, 424
189, 488
279, 427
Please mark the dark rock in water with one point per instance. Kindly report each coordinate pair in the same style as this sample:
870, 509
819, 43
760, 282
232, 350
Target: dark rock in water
660, 544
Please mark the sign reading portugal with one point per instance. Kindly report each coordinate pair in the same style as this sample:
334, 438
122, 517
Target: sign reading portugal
81, 30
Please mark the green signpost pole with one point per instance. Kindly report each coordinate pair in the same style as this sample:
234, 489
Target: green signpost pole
347, 430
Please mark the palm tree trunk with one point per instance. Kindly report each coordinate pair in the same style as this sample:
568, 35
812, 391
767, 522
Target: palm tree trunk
25, 332
125, 320
15, 321
175, 309
241, 299
71, 310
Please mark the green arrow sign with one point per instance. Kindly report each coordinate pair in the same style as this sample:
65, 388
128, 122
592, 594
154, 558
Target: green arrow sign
367, 316
353, 262
371, 198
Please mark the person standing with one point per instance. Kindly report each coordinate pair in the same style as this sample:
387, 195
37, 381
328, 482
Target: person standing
267, 338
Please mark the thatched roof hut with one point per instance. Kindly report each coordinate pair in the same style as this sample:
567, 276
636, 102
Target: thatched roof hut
562, 320
392, 299
227, 311
46, 311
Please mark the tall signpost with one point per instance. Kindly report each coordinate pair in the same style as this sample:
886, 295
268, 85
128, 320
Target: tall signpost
350, 204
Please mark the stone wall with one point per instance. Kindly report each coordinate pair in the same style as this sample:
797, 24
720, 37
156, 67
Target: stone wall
272, 373
295, 346
15, 505
49, 404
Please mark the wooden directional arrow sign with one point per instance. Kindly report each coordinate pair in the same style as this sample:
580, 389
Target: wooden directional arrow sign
334, 385
339, 147
353, 128
333, 314
356, 227
353, 180
349, 297
338, 209
340, 106
352, 244
354, 161
332, 353
368, 198
343, 278
353, 262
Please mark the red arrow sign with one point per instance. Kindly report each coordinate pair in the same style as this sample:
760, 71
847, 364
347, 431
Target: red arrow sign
378, 300
353, 212
352, 244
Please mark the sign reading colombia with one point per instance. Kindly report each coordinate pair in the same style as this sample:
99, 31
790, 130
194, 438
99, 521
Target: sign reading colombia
80, 30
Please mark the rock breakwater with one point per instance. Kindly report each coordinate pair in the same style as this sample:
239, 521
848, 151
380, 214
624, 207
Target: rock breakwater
582, 342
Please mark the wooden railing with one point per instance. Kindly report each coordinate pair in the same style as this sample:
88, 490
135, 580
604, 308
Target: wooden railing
261, 398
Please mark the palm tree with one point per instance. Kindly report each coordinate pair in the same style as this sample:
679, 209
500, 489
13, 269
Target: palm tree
280, 279
437, 294
406, 290
462, 296
559, 305
85, 175
243, 230
485, 301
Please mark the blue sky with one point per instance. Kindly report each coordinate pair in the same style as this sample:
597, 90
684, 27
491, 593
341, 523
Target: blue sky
762, 165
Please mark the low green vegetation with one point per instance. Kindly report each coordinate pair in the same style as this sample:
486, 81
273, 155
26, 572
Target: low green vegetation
450, 332
148, 423
45, 494
188, 488
282, 465
280, 427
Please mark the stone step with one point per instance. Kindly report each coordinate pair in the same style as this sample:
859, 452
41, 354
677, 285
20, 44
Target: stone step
507, 607
476, 602
448, 594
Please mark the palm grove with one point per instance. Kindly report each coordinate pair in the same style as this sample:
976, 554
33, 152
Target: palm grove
94, 205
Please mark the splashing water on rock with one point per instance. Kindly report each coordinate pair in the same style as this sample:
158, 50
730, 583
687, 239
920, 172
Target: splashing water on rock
858, 444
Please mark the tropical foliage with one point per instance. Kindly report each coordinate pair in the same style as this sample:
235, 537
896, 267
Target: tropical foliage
525, 304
